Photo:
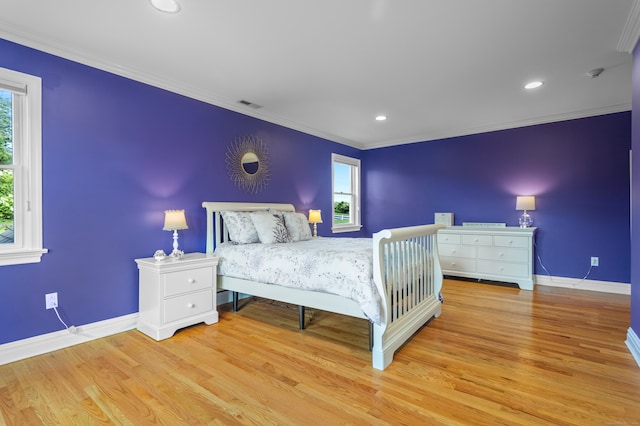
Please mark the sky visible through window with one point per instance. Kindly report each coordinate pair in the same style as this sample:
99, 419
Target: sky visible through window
342, 178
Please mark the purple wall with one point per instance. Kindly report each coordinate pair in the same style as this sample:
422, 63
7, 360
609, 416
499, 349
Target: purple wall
578, 170
635, 198
116, 154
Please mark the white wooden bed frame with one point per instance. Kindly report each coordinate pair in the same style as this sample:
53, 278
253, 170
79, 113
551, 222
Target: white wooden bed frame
409, 285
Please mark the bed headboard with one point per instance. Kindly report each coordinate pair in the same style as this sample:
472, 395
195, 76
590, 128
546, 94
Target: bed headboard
216, 231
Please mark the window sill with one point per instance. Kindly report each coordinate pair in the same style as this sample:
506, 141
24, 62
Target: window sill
346, 228
21, 256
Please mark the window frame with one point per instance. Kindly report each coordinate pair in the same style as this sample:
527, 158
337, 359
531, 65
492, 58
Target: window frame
27, 167
355, 223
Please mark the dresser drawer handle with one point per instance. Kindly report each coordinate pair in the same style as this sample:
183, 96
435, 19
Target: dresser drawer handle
191, 280
501, 254
191, 305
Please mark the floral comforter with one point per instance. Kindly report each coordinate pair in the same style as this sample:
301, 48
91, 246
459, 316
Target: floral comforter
341, 266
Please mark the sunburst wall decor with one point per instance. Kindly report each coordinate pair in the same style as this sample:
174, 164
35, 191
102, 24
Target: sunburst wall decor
248, 163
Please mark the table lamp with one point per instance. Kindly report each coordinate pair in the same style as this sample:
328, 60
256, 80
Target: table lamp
315, 217
174, 220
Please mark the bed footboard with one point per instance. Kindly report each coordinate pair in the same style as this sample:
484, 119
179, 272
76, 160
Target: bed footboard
408, 276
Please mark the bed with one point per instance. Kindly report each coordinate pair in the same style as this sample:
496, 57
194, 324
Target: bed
404, 273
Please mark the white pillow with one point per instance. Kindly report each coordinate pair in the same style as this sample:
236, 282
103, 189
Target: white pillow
297, 226
240, 227
270, 227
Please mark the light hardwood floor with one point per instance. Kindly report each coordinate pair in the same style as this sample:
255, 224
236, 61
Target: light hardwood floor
496, 356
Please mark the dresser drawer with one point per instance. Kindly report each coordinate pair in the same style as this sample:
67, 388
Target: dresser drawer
478, 240
504, 254
455, 250
184, 281
457, 264
448, 238
188, 305
509, 241
504, 269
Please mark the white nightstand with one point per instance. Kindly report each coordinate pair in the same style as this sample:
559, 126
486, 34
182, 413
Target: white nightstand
176, 293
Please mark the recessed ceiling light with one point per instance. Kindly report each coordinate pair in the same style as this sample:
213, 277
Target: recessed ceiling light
533, 85
169, 6
381, 117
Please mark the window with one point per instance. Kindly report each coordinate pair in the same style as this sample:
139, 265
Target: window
20, 168
345, 176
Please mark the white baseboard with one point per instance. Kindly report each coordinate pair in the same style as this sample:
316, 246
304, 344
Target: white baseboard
602, 286
633, 343
26, 348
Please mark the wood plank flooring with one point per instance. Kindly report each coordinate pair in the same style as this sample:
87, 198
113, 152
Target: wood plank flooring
496, 356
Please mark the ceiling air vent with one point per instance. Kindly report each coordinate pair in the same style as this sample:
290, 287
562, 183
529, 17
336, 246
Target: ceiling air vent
249, 104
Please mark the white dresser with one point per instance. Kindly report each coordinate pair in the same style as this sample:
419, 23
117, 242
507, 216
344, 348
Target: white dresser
176, 293
495, 254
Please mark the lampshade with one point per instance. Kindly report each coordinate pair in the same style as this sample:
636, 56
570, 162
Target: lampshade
174, 220
315, 216
527, 202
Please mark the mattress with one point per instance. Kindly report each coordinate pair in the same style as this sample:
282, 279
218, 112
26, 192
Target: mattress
339, 266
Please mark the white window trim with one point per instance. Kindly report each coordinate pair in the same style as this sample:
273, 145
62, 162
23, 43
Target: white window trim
355, 184
27, 247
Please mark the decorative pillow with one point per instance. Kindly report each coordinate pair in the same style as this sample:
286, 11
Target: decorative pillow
240, 227
297, 226
270, 227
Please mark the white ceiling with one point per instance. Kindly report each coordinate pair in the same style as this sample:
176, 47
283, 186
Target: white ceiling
437, 68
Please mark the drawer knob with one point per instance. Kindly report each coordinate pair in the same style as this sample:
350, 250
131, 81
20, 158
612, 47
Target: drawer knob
191, 280
191, 305
501, 254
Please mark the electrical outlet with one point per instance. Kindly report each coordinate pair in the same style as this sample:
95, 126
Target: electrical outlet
51, 300
595, 261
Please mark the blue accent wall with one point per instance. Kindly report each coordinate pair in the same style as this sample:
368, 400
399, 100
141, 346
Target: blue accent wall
578, 170
117, 153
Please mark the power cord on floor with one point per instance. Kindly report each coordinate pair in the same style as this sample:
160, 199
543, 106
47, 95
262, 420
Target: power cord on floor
72, 329
549, 273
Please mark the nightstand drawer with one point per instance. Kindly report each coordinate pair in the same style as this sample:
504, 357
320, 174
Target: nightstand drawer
188, 305
185, 281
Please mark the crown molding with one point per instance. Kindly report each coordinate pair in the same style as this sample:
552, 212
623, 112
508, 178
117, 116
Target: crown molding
631, 30
592, 112
17, 36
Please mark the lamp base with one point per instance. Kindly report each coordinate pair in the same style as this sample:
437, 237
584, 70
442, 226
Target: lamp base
176, 254
525, 220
